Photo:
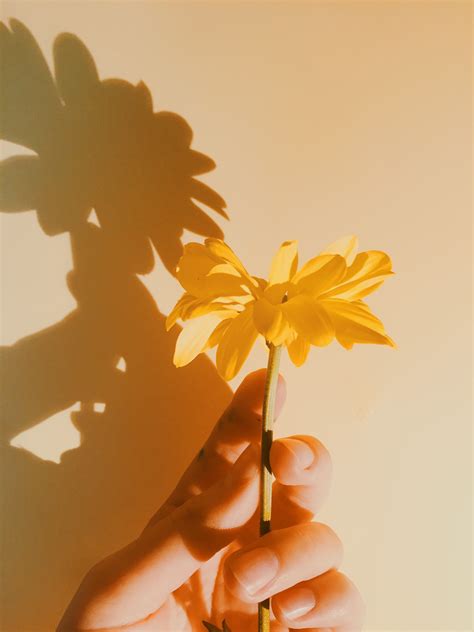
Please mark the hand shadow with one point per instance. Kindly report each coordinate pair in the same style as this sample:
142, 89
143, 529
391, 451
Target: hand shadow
100, 146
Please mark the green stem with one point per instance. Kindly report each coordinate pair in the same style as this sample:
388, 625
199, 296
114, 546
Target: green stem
269, 398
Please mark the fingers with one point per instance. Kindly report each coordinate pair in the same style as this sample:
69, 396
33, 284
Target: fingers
133, 583
329, 601
297, 567
238, 426
240, 423
303, 471
282, 559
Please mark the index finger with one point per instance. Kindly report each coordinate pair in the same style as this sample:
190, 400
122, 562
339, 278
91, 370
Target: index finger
132, 584
239, 425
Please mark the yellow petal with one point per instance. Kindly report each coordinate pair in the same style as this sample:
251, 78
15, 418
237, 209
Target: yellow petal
189, 307
368, 269
195, 249
309, 319
220, 249
320, 274
354, 322
217, 334
224, 268
310, 267
275, 293
270, 321
195, 273
298, 350
369, 264
201, 307
236, 343
284, 264
261, 283
363, 292
236, 301
194, 337
177, 310
346, 247
357, 290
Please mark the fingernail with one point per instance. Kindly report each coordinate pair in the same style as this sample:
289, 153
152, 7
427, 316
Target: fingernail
254, 569
296, 602
301, 450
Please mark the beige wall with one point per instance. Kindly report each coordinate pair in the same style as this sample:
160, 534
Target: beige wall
323, 119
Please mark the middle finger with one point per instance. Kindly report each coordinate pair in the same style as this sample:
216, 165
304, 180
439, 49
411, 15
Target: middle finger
281, 559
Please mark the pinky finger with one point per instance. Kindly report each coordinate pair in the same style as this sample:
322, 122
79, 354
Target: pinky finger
329, 603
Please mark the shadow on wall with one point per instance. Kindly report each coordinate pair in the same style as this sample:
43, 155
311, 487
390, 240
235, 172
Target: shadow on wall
99, 146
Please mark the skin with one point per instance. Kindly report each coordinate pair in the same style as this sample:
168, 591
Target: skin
200, 557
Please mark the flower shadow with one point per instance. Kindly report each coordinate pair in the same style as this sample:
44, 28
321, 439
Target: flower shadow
98, 146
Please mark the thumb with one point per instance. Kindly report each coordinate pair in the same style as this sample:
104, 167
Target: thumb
132, 584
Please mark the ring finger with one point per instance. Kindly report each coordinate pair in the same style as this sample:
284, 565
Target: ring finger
328, 602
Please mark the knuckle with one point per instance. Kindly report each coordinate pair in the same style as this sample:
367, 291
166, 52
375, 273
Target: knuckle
189, 513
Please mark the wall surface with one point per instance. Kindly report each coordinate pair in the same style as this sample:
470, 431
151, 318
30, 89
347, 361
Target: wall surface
324, 118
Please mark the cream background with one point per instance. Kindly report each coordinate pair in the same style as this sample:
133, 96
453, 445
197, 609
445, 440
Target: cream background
324, 119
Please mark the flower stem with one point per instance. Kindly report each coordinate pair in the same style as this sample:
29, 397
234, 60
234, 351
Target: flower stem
269, 398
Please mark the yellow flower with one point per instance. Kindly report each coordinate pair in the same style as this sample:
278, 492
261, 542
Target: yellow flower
224, 305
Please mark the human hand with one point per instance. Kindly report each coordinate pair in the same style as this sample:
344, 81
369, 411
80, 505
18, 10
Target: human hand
200, 557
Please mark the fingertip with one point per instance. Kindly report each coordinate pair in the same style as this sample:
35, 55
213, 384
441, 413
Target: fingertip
329, 601
292, 452
301, 460
294, 603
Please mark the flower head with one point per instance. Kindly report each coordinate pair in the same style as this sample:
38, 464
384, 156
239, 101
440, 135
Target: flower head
224, 306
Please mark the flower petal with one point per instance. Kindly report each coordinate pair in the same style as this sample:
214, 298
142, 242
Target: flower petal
195, 335
284, 263
309, 319
311, 266
224, 268
368, 269
298, 350
177, 310
194, 272
189, 307
354, 322
270, 321
358, 290
236, 343
201, 308
260, 283
276, 293
220, 249
346, 247
320, 274
217, 334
